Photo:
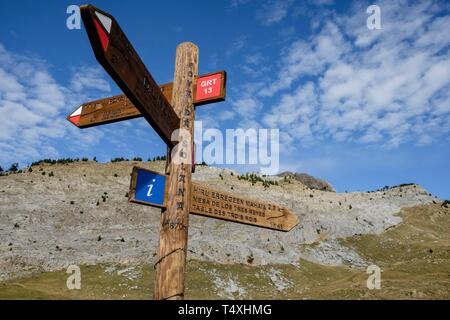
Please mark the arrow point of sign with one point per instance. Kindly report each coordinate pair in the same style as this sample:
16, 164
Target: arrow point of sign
75, 116
94, 19
75, 120
291, 217
105, 21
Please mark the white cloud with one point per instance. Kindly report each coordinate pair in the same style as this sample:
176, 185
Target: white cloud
86, 78
309, 57
237, 3
247, 107
322, 2
12, 89
287, 33
237, 45
226, 115
274, 11
388, 86
254, 59
33, 107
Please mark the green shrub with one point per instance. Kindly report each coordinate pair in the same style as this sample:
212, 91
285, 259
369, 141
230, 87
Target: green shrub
52, 162
254, 179
158, 158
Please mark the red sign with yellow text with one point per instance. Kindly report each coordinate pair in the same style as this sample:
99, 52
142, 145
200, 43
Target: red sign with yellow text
210, 87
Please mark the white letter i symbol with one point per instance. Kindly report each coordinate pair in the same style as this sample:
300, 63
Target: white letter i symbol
150, 187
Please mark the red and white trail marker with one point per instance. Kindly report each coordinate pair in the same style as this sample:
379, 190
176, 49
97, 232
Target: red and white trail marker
104, 29
75, 116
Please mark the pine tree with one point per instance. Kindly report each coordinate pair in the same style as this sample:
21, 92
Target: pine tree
14, 167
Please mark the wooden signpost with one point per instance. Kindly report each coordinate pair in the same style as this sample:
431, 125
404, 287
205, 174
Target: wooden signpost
169, 109
120, 108
150, 188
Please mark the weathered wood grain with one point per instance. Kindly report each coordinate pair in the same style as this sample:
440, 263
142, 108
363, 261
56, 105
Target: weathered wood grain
231, 207
171, 264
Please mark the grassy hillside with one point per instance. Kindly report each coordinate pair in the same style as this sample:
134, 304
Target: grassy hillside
414, 257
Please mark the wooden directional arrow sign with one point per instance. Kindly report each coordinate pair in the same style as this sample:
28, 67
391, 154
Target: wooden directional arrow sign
149, 188
118, 57
109, 110
103, 111
119, 108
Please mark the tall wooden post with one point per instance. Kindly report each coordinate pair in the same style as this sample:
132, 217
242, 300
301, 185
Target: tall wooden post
171, 263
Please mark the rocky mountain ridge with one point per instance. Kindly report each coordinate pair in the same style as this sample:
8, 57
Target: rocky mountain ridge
78, 213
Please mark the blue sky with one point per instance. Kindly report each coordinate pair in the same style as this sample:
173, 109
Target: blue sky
360, 108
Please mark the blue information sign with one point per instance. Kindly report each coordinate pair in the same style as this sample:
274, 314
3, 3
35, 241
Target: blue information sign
150, 187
